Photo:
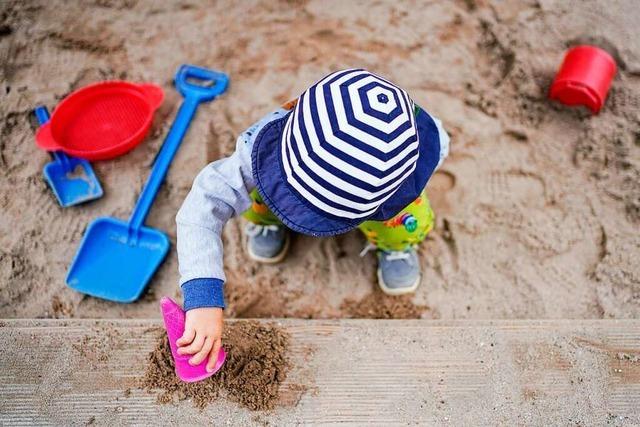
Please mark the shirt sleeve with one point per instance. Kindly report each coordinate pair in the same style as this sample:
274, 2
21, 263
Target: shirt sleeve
443, 136
444, 141
219, 192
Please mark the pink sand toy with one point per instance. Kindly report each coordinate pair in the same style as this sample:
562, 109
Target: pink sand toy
174, 324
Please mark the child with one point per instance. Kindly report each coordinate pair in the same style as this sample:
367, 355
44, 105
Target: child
353, 151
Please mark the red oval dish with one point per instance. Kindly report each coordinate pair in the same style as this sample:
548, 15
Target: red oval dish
101, 121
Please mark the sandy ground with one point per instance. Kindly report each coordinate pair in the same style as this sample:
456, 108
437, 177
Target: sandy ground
538, 205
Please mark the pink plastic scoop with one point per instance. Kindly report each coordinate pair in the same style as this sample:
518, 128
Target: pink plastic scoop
174, 319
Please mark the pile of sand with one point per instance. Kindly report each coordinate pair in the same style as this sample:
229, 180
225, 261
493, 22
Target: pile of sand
256, 366
377, 305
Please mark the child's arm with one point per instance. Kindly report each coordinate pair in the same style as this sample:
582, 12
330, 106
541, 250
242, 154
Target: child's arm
220, 191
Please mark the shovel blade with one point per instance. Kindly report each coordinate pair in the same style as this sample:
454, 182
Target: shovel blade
73, 187
113, 265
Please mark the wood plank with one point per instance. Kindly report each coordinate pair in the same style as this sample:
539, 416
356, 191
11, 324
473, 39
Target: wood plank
357, 371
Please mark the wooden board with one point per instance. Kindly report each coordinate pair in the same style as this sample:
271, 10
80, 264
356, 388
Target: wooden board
355, 372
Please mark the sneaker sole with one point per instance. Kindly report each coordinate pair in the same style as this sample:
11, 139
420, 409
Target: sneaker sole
397, 291
274, 260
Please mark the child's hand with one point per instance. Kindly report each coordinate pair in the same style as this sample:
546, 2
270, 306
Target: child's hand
202, 335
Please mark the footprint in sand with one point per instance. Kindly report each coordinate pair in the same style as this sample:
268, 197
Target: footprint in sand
439, 184
515, 186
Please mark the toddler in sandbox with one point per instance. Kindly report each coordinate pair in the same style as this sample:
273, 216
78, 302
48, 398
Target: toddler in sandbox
353, 151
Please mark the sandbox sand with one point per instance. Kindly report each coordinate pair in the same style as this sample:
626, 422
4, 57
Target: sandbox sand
538, 206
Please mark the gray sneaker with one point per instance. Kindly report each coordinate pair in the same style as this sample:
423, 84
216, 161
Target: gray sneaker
398, 272
267, 243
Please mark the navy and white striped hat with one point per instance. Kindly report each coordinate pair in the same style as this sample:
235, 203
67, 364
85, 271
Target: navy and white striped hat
354, 148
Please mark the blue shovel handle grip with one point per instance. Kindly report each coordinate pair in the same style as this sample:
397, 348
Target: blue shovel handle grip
217, 83
42, 114
193, 95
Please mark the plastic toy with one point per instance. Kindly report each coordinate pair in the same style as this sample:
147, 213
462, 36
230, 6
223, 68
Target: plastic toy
174, 319
102, 120
116, 258
584, 77
72, 180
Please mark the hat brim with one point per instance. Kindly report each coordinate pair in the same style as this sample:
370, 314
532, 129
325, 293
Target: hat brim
299, 215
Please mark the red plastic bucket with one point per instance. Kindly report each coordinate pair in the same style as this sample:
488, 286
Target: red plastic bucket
584, 77
102, 120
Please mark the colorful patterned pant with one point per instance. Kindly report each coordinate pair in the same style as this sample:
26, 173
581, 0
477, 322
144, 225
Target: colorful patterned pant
409, 227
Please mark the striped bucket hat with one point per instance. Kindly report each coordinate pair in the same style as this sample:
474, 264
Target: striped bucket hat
354, 148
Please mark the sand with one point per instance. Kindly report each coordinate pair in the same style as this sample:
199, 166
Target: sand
377, 305
255, 367
537, 207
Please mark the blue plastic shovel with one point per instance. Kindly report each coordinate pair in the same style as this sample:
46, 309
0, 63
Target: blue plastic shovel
71, 179
116, 258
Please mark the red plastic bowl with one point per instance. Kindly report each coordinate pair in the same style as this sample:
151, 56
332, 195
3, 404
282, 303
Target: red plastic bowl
101, 121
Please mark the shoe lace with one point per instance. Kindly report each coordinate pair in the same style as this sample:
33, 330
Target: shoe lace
396, 255
255, 229
369, 247
389, 255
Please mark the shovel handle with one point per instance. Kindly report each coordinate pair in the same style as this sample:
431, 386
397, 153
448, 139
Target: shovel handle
42, 114
193, 95
212, 83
